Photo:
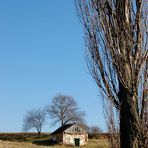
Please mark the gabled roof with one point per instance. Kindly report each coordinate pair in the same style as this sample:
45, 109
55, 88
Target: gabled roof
62, 129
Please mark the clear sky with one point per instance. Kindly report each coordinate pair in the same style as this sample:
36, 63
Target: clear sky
41, 55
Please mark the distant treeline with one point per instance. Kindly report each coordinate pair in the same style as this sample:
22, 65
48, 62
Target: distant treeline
20, 137
98, 135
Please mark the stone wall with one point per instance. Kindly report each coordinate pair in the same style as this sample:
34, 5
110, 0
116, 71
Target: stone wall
69, 139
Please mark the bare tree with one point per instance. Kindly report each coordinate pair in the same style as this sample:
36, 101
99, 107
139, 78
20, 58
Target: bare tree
34, 119
116, 37
64, 109
112, 121
94, 131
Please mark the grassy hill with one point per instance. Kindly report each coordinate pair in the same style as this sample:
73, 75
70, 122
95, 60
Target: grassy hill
20, 137
30, 140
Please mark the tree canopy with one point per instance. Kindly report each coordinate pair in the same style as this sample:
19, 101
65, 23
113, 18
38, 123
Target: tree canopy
34, 118
64, 109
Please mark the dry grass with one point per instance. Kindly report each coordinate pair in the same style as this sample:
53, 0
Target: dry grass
100, 143
24, 140
8, 144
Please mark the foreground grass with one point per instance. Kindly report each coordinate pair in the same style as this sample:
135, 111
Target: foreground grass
99, 143
31, 140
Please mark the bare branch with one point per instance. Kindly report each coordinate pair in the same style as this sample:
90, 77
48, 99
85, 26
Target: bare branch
64, 109
116, 37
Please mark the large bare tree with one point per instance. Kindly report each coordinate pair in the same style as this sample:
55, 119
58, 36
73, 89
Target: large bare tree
116, 37
34, 118
64, 109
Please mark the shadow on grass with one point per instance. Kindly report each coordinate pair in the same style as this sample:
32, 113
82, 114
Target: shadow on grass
44, 142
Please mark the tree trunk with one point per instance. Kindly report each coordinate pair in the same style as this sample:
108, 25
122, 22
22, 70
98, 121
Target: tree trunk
130, 131
39, 134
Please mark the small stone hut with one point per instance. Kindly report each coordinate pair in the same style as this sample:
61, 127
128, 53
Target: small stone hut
70, 134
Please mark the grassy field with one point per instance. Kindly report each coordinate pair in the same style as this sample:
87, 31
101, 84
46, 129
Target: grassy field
102, 143
30, 140
20, 137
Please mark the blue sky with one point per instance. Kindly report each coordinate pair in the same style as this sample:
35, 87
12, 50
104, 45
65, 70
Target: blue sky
41, 55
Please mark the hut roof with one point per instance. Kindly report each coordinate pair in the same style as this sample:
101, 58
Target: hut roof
61, 129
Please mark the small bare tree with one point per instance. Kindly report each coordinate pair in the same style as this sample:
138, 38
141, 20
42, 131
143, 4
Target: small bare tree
34, 119
94, 131
64, 109
116, 37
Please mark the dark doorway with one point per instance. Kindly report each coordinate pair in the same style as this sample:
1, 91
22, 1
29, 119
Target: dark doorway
77, 142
